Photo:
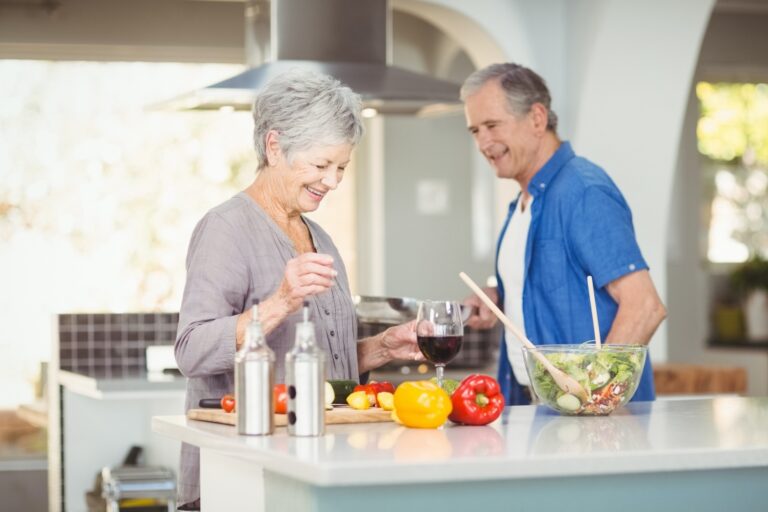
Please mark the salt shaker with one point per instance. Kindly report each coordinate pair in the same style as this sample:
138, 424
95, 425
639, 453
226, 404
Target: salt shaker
305, 379
254, 381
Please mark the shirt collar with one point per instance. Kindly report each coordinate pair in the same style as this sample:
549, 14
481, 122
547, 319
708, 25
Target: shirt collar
550, 169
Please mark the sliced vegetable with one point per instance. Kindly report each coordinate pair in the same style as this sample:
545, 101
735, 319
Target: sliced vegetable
477, 401
569, 402
342, 389
370, 393
329, 396
358, 400
422, 404
374, 388
386, 400
228, 403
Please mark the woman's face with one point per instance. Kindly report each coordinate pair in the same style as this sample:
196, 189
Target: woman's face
313, 173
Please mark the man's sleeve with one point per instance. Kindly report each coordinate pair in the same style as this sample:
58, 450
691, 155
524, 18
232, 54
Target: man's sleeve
602, 238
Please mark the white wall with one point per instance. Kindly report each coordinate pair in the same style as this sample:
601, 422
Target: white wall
636, 75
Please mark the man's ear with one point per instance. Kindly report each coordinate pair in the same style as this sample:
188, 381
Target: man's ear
272, 146
540, 116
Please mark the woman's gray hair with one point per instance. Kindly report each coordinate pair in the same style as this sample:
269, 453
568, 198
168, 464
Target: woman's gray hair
307, 109
522, 87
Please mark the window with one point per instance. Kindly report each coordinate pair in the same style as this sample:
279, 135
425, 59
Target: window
733, 136
99, 194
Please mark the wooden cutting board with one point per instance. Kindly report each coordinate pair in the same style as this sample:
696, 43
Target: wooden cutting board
338, 415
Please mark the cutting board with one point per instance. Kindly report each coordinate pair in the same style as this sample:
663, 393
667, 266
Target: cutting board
338, 415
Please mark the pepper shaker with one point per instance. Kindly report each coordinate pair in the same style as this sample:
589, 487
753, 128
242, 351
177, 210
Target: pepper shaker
305, 379
254, 381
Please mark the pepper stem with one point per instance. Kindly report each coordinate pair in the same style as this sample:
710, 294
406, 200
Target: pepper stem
481, 400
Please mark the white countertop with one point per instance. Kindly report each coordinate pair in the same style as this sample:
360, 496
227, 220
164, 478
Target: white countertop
527, 442
138, 386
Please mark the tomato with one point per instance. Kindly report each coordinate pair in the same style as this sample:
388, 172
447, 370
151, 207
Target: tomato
281, 399
385, 386
228, 403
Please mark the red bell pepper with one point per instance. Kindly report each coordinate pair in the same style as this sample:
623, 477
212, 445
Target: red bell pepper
477, 401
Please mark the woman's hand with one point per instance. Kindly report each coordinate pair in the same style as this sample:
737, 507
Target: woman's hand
308, 274
482, 317
398, 342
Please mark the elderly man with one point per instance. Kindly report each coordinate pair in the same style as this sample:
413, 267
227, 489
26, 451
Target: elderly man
569, 221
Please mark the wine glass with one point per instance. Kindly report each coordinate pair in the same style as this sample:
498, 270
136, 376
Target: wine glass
439, 331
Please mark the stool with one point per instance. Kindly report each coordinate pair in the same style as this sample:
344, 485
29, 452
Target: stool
138, 482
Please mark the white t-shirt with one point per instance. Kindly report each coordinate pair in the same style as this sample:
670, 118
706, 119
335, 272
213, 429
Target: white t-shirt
512, 273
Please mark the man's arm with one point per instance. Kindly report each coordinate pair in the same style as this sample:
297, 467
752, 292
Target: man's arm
640, 309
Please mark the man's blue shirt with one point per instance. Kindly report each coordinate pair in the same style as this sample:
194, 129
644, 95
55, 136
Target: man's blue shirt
580, 225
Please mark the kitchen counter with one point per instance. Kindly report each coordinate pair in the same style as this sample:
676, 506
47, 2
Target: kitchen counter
135, 385
96, 418
698, 454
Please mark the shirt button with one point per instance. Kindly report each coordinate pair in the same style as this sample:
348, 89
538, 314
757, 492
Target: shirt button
632, 266
333, 333
335, 356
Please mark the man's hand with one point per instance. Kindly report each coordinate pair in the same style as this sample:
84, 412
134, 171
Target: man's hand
482, 317
640, 309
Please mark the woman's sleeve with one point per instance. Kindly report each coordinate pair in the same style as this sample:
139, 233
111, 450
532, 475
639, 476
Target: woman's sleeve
214, 295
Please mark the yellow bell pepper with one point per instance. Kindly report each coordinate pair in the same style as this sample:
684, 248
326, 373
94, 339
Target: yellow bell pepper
421, 404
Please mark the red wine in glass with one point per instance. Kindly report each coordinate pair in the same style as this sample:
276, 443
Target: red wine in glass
439, 331
439, 349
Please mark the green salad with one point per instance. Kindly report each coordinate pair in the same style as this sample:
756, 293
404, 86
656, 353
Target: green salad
609, 375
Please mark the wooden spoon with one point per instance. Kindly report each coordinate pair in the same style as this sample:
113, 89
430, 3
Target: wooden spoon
562, 379
593, 306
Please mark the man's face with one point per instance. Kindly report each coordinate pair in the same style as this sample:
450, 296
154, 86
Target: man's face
507, 140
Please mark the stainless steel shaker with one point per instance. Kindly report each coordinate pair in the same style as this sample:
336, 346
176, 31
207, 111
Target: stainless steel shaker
305, 379
254, 381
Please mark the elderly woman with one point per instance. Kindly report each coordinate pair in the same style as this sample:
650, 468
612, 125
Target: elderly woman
259, 246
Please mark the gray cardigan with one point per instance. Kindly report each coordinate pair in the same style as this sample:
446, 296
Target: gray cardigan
237, 255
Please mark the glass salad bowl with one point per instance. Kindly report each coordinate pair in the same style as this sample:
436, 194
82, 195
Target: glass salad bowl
609, 375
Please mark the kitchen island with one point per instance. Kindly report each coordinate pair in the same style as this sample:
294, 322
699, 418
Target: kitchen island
693, 454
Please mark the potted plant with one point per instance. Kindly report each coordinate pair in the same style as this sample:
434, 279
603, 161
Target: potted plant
750, 279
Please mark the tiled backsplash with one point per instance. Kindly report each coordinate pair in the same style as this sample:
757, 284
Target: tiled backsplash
112, 344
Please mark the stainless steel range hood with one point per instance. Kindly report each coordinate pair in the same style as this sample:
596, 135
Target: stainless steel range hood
348, 39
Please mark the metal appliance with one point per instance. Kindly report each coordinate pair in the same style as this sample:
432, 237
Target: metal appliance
349, 40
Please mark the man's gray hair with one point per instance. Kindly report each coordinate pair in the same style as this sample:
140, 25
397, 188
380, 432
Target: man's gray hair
522, 87
307, 109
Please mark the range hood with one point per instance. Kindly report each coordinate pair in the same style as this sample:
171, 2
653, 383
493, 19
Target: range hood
347, 39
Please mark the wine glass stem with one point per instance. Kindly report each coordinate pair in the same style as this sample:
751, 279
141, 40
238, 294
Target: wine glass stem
439, 369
